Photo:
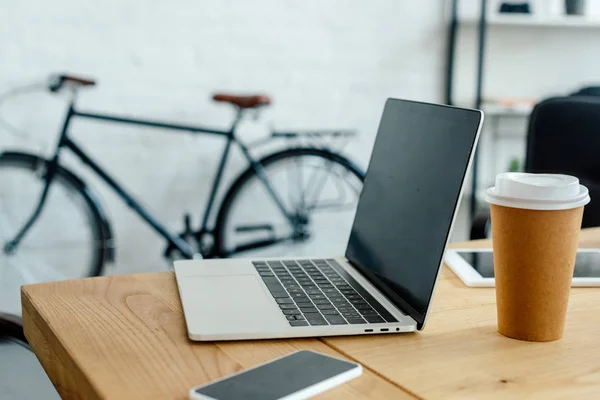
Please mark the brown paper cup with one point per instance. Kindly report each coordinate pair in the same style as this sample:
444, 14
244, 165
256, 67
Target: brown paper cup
534, 257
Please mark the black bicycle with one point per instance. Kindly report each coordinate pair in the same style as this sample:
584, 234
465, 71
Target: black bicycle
52, 225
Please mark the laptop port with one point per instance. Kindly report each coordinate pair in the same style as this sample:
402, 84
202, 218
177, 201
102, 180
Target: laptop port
384, 329
368, 330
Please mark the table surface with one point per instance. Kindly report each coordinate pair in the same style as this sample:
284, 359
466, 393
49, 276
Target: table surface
124, 337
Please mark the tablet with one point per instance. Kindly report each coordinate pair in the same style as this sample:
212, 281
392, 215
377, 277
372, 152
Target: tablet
475, 267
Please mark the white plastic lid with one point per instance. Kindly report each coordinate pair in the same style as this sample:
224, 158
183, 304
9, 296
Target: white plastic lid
537, 191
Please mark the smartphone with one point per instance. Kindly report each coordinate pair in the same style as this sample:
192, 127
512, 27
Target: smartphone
297, 376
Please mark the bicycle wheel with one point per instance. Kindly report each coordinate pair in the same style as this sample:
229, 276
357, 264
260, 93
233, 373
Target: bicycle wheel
319, 191
68, 238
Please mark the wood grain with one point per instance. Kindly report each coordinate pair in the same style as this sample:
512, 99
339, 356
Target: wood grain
461, 355
124, 337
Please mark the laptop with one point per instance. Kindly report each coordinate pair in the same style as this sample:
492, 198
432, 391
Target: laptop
385, 281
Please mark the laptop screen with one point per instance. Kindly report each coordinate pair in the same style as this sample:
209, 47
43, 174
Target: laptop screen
409, 198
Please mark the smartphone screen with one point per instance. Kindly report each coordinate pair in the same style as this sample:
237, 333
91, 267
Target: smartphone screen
282, 377
587, 264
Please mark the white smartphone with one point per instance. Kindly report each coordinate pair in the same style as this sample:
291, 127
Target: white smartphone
475, 267
297, 376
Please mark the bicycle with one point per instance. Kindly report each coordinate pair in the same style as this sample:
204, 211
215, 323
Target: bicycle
47, 211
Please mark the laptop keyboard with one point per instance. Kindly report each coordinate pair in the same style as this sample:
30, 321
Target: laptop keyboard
319, 292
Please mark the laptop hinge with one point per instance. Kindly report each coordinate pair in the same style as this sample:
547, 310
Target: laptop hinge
404, 308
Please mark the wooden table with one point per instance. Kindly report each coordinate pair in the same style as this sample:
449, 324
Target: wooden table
123, 337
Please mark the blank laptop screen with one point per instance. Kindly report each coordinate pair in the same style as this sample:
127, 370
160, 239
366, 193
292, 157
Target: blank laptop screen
409, 198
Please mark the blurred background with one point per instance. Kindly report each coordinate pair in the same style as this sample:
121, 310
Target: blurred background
325, 65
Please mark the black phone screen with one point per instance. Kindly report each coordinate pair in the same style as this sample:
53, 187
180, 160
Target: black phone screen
278, 378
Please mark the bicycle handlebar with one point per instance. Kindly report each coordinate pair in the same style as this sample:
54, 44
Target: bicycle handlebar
57, 82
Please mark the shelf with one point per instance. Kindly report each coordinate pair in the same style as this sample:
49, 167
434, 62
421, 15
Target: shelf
495, 109
533, 20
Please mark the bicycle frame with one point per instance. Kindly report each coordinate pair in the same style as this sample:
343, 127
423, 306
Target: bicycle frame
173, 240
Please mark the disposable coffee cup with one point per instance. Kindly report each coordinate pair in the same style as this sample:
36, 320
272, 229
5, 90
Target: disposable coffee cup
536, 219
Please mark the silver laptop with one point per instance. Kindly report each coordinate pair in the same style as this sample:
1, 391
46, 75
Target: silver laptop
385, 280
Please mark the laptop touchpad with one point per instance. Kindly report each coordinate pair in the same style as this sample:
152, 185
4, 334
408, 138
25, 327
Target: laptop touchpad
225, 292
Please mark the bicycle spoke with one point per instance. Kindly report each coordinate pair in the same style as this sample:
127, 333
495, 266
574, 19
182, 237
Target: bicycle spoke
331, 207
4, 223
321, 185
300, 185
27, 269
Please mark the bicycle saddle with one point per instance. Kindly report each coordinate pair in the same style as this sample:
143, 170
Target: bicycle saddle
242, 101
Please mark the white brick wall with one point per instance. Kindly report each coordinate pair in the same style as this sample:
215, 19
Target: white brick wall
326, 64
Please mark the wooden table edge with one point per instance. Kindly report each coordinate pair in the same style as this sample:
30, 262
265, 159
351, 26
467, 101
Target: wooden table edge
45, 341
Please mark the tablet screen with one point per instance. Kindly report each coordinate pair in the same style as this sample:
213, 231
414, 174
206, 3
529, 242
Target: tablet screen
587, 264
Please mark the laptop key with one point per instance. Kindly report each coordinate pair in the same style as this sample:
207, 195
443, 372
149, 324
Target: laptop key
301, 298
308, 309
275, 288
290, 312
321, 301
312, 314
313, 291
305, 304
374, 319
356, 321
335, 319
368, 312
284, 301
298, 323
304, 301
288, 307
298, 293
274, 263
317, 322
330, 312
294, 286
268, 280
325, 307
